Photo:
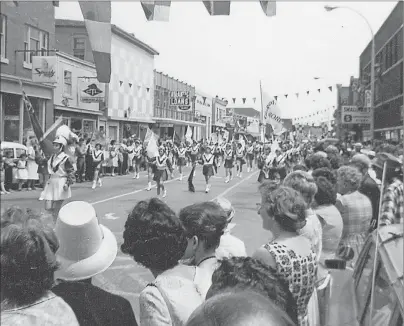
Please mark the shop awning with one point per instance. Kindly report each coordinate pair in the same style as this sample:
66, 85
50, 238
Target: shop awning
180, 122
69, 109
139, 120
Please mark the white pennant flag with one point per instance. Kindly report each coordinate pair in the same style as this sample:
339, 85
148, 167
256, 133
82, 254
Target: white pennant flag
272, 114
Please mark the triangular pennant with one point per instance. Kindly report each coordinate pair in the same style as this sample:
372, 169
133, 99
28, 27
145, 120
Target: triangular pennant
204, 100
268, 7
120, 83
330, 88
130, 85
16, 3
244, 99
276, 98
138, 87
217, 8
286, 95
148, 89
308, 92
97, 17
297, 95
319, 90
254, 99
156, 10
234, 100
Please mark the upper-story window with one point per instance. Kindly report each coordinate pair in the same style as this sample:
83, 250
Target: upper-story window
36, 43
3, 34
79, 47
67, 82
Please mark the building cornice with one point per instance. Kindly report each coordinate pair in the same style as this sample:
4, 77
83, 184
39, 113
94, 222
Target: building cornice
27, 81
75, 59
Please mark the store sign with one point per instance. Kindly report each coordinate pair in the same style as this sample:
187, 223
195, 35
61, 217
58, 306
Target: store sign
368, 99
44, 69
91, 91
181, 100
355, 115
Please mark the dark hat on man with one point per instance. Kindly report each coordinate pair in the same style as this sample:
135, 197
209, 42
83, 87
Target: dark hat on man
392, 162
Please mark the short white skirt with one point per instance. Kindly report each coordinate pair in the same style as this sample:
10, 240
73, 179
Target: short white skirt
54, 189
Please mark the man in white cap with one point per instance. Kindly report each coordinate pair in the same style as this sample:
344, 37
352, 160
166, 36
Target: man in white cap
61, 172
230, 246
87, 249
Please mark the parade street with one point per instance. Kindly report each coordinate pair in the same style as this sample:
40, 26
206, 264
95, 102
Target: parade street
120, 193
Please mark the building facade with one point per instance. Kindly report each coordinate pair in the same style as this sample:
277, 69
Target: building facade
219, 113
388, 97
174, 107
203, 113
78, 94
27, 31
129, 102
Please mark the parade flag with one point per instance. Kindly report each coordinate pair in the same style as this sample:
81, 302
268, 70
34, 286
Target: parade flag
156, 10
188, 134
272, 114
97, 17
152, 148
217, 8
269, 8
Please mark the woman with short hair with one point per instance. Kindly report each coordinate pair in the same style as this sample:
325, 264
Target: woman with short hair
28, 265
204, 225
155, 238
355, 209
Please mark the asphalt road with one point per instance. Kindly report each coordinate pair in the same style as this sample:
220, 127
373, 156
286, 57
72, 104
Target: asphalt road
120, 193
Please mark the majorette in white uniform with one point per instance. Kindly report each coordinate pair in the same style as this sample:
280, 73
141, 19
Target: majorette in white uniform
250, 157
137, 159
160, 175
182, 153
208, 161
240, 160
228, 162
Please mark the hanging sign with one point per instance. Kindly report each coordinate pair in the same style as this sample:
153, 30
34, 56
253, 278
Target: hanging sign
181, 100
44, 69
90, 90
355, 115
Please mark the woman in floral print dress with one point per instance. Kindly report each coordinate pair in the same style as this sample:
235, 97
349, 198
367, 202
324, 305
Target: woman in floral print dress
283, 212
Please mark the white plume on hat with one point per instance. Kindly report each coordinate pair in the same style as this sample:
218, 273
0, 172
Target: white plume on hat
64, 131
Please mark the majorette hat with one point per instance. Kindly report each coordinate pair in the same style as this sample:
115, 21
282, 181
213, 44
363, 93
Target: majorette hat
87, 248
60, 140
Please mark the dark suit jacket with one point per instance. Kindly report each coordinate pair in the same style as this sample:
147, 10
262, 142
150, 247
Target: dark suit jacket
370, 189
95, 307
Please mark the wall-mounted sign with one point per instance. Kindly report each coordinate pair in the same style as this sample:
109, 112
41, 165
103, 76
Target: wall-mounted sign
181, 100
355, 115
90, 90
44, 69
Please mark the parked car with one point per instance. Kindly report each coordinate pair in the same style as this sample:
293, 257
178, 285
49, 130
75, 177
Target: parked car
16, 151
351, 295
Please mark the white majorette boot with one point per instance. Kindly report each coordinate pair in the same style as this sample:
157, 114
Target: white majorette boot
240, 174
248, 170
164, 193
134, 176
227, 180
148, 186
181, 176
207, 188
100, 182
138, 175
94, 184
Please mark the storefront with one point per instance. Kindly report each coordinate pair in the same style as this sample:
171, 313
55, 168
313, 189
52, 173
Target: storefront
203, 115
16, 125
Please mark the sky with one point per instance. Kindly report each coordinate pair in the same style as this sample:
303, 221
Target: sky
228, 56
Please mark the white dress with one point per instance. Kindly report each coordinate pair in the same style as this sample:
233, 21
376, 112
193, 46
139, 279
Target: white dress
32, 167
22, 172
59, 168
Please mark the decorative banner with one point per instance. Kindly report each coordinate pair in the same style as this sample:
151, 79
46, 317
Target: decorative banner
308, 92
330, 88
44, 69
147, 89
354, 115
268, 7
181, 100
244, 99
130, 85
297, 95
97, 17
217, 8
156, 10
90, 90
254, 99
204, 100
120, 83
276, 98
234, 100
286, 95
272, 114
319, 90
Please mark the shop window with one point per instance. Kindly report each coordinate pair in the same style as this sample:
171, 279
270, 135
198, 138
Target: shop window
76, 125
88, 126
79, 47
36, 42
3, 35
67, 82
11, 107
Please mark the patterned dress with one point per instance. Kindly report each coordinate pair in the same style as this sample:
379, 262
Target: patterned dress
298, 272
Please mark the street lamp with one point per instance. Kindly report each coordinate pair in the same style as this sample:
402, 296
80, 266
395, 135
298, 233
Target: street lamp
372, 63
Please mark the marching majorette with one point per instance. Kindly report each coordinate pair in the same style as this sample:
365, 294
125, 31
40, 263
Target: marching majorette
194, 152
217, 153
61, 177
250, 156
181, 162
208, 161
137, 158
160, 174
228, 157
240, 160
98, 158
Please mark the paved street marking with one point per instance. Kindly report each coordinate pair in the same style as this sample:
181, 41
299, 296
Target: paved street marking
235, 185
111, 216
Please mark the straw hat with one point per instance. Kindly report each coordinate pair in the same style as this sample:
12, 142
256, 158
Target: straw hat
86, 247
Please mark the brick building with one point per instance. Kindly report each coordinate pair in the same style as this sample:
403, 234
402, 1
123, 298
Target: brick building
27, 30
388, 100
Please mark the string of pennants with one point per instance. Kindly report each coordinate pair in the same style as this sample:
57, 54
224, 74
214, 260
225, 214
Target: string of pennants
138, 86
254, 99
160, 10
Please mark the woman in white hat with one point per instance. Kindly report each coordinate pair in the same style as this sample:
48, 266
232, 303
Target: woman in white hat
208, 162
160, 174
61, 173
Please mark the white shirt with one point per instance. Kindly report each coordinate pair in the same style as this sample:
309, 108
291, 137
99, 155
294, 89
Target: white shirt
230, 246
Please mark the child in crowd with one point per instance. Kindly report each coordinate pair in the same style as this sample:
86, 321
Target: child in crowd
22, 172
9, 164
2, 177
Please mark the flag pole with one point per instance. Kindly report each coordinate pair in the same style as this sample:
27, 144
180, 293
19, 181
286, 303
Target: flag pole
262, 117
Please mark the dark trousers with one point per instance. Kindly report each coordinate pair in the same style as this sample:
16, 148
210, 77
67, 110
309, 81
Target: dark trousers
8, 177
80, 168
89, 168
